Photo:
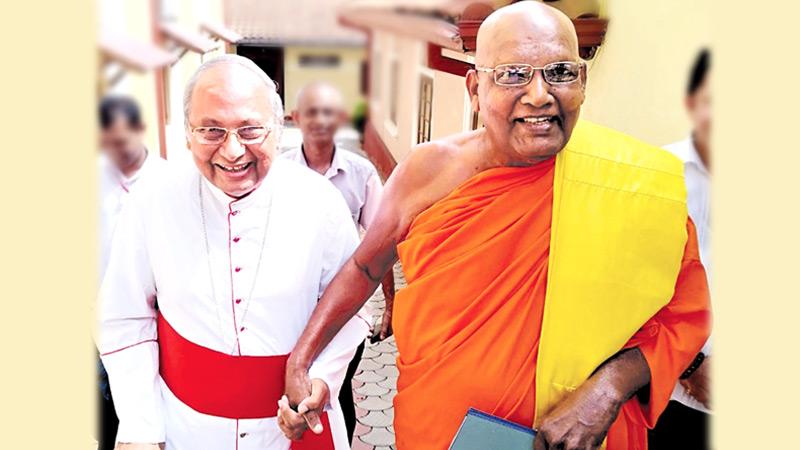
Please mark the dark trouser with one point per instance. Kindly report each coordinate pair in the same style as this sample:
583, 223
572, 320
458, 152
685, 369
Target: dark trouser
107, 417
680, 427
346, 394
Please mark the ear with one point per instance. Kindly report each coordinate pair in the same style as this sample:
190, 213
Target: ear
295, 116
584, 76
472, 89
343, 117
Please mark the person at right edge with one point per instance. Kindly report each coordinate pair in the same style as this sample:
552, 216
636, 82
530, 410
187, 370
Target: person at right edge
554, 277
684, 423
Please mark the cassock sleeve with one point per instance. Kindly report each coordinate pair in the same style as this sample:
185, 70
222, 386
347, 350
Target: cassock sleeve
127, 336
671, 339
331, 364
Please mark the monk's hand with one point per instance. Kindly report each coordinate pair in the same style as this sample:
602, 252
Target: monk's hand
311, 407
297, 384
129, 446
581, 421
698, 385
291, 423
385, 330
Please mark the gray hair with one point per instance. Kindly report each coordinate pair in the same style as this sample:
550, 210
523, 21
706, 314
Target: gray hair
275, 99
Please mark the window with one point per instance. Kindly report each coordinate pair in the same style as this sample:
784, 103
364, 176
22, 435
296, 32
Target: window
394, 69
329, 61
425, 104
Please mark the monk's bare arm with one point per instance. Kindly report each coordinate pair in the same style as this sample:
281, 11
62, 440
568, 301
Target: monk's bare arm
413, 186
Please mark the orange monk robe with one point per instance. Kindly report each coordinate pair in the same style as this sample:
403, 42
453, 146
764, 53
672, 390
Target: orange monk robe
468, 324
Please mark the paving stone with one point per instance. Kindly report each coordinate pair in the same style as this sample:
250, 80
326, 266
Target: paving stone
356, 383
372, 389
361, 412
384, 347
389, 396
369, 364
376, 419
378, 437
388, 371
358, 444
390, 383
370, 377
387, 359
374, 404
361, 429
369, 353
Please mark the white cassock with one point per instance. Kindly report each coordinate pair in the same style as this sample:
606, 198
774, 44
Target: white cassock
218, 309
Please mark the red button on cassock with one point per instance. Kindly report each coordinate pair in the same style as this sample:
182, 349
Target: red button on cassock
236, 239
237, 269
238, 300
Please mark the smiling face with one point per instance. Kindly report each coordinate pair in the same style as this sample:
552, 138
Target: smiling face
319, 113
534, 121
231, 96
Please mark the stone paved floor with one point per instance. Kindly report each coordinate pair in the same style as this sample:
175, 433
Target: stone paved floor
375, 384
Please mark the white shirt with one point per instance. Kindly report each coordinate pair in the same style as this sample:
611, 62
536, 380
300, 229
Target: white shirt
355, 177
159, 251
114, 188
698, 187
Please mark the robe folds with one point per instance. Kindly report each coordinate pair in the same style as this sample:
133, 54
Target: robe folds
468, 325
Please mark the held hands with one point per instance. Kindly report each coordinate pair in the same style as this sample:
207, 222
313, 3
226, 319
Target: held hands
294, 424
698, 384
580, 422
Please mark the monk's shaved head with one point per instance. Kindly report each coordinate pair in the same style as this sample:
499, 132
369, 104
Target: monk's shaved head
523, 23
533, 119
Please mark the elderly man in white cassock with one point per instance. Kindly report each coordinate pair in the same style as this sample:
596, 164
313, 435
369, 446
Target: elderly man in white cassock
213, 274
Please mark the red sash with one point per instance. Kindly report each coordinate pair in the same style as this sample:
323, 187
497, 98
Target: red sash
234, 387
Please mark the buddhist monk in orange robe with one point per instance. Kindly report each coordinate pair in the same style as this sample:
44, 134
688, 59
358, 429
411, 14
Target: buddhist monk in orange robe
469, 216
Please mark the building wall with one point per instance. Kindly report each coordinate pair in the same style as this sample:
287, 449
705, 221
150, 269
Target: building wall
398, 136
451, 110
346, 76
636, 82
133, 18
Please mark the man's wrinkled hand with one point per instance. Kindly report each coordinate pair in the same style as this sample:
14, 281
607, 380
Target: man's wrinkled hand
294, 424
123, 446
580, 422
698, 385
297, 385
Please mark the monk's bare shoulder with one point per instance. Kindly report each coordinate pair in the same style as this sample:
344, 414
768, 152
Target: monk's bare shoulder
430, 172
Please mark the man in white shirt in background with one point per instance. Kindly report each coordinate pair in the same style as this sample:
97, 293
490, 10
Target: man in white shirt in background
684, 423
319, 113
213, 274
123, 162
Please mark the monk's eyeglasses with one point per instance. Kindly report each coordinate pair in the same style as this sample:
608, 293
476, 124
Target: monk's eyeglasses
561, 72
248, 135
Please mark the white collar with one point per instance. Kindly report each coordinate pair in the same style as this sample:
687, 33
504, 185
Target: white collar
252, 199
687, 152
336, 162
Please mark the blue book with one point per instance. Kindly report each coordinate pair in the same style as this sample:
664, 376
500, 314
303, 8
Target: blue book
481, 431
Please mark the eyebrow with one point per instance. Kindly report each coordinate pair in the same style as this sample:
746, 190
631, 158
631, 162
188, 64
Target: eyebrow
210, 122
